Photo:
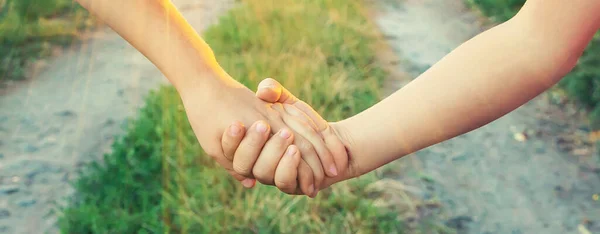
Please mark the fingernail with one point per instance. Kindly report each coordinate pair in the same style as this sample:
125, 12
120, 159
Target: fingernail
291, 151
315, 193
248, 183
234, 130
261, 127
333, 170
311, 190
285, 134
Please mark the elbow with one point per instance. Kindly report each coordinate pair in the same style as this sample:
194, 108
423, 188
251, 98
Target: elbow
547, 57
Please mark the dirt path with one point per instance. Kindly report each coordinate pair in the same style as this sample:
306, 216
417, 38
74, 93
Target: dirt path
487, 181
67, 114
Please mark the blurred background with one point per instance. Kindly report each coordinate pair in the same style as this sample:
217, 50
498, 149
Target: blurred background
94, 140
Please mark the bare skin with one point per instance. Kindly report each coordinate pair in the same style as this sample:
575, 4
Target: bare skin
189, 64
485, 78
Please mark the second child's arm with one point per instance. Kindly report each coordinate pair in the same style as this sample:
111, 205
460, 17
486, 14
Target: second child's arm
480, 81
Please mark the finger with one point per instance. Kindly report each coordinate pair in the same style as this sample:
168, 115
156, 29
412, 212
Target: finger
269, 90
287, 170
306, 179
308, 154
315, 143
246, 154
337, 149
246, 182
331, 139
268, 160
292, 110
321, 123
225, 163
232, 137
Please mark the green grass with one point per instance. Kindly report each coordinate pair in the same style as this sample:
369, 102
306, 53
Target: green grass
29, 29
583, 83
157, 179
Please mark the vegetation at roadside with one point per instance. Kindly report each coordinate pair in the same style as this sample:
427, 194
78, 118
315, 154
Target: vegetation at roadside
583, 83
29, 29
157, 179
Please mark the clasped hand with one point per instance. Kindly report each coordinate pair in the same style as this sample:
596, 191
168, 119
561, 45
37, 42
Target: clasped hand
279, 123
278, 160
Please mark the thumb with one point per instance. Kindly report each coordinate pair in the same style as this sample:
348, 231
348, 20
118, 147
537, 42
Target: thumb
269, 90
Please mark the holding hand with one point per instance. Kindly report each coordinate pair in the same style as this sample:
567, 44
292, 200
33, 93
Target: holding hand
274, 161
209, 119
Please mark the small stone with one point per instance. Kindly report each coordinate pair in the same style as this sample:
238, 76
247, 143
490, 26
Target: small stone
15, 179
520, 137
4, 213
26, 202
8, 189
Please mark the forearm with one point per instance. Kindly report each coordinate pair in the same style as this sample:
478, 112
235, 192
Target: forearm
158, 30
482, 80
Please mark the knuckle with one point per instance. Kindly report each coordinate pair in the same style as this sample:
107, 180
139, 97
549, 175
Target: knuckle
319, 176
263, 176
305, 173
231, 140
258, 174
228, 149
255, 141
305, 146
264, 179
272, 112
286, 186
241, 170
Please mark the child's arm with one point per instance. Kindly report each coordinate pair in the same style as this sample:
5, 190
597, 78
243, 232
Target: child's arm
480, 81
159, 31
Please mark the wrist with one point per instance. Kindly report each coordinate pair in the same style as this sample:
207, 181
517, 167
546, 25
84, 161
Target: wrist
369, 145
205, 85
344, 133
